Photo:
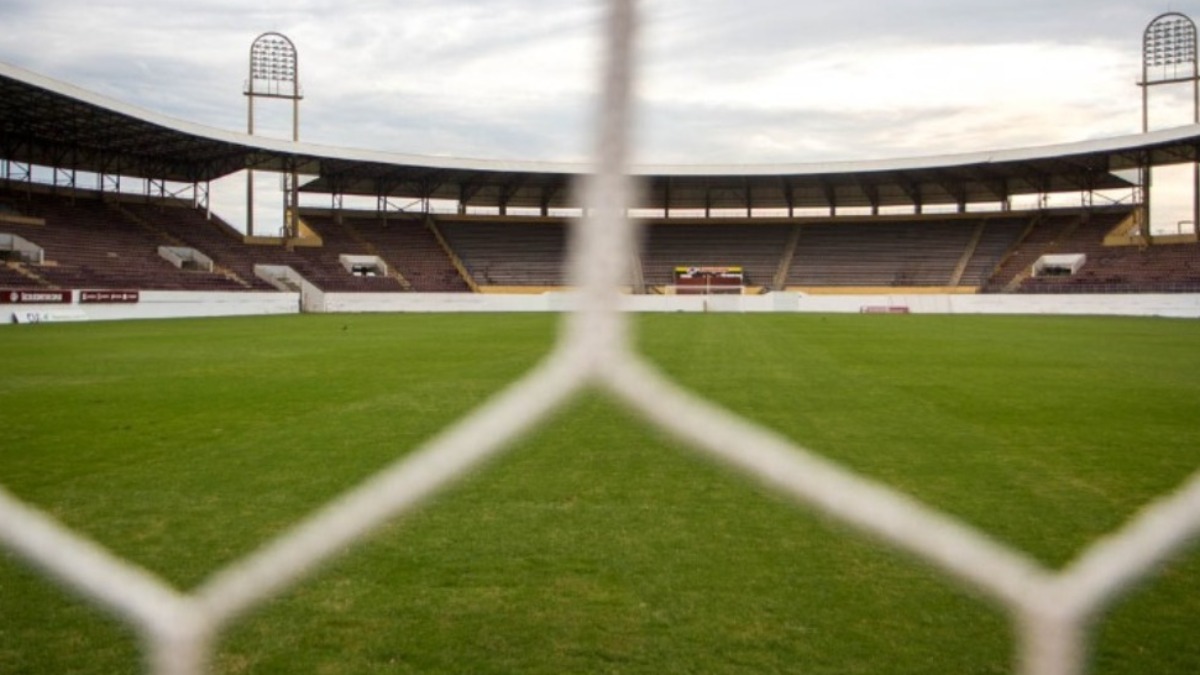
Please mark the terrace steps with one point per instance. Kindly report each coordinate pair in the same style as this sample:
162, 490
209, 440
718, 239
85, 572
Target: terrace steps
372, 249
24, 271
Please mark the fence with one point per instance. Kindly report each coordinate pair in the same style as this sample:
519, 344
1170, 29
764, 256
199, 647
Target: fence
1053, 611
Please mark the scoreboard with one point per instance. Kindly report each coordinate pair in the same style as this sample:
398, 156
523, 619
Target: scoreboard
709, 280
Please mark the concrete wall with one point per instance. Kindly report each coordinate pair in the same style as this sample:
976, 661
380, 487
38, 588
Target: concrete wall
1132, 304
160, 305
178, 304
436, 302
1166, 304
547, 302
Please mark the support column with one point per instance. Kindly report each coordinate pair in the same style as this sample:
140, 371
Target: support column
250, 174
1196, 163
1147, 173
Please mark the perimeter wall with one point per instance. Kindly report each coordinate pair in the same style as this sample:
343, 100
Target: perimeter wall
179, 304
1165, 304
157, 305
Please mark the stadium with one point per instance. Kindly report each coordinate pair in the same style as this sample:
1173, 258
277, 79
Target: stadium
257, 488
1068, 219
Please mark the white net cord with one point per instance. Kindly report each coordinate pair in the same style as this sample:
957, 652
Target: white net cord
1053, 611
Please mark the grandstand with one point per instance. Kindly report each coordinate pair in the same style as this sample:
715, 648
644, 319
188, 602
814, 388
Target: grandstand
94, 240
951, 224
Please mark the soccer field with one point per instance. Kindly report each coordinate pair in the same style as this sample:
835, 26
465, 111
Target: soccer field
597, 544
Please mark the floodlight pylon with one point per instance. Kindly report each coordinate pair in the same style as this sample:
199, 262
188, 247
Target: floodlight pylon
1169, 56
274, 72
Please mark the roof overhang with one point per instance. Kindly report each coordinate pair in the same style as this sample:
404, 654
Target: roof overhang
50, 123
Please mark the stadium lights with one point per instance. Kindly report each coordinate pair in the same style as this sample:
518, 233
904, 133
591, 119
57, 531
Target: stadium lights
1169, 56
273, 62
1169, 40
274, 73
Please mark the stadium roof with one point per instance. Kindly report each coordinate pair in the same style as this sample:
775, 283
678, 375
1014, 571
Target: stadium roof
50, 123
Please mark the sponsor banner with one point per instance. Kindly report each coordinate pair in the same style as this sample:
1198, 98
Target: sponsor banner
34, 297
710, 276
127, 297
695, 272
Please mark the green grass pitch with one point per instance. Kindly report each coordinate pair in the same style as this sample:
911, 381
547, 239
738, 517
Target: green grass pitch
597, 544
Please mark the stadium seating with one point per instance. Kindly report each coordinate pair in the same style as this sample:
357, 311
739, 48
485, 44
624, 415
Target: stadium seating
998, 237
895, 253
95, 242
11, 277
324, 266
1168, 268
520, 253
90, 244
407, 245
758, 249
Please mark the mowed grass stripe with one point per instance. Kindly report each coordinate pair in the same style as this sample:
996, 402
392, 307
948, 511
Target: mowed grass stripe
987, 417
596, 545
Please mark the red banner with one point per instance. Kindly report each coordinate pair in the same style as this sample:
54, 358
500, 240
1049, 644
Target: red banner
34, 297
128, 297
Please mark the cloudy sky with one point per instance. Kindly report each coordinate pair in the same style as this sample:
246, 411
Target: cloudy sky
721, 81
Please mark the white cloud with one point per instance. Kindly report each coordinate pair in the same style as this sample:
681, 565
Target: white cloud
987, 74
972, 93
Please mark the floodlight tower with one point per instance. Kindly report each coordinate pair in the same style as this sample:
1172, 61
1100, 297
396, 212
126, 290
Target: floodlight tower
274, 73
1169, 57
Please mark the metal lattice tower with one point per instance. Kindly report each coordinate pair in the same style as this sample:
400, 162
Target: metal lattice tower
1169, 56
274, 73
